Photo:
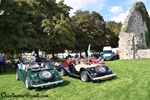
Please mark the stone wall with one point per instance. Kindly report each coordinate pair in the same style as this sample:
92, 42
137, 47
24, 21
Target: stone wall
143, 54
132, 35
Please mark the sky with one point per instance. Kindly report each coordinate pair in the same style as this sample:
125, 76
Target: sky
111, 10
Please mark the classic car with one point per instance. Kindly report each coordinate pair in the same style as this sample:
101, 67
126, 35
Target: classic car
86, 71
35, 74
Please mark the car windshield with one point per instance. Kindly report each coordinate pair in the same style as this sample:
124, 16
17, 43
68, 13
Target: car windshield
49, 66
25, 60
40, 66
107, 51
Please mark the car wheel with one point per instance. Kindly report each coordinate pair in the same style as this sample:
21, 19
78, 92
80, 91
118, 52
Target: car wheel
100, 70
17, 78
27, 83
62, 72
84, 76
45, 75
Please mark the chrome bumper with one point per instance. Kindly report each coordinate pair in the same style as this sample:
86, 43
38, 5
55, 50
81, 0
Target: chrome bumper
47, 84
104, 77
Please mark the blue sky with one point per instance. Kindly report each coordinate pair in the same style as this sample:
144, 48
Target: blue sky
111, 10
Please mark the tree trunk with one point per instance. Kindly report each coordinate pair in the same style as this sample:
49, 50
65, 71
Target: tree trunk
53, 55
37, 52
12, 52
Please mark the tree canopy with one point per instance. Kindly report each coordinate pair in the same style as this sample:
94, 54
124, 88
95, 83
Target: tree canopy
90, 28
28, 25
35, 24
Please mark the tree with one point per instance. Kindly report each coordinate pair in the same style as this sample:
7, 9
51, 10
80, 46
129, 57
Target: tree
113, 28
60, 33
59, 29
89, 29
18, 26
99, 31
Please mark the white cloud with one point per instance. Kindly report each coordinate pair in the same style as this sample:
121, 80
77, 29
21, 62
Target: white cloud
116, 10
117, 14
90, 5
120, 17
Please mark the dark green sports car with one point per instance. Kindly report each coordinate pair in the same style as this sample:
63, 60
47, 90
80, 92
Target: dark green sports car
35, 74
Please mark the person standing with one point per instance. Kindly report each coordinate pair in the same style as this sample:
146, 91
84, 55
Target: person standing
34, 57
19, 63
1, 60
4, 67
2, 63
13, 61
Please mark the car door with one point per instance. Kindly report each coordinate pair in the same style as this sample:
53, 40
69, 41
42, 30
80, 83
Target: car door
22, 72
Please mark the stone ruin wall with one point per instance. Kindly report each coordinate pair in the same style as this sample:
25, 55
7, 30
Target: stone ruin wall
143, 54
132, 42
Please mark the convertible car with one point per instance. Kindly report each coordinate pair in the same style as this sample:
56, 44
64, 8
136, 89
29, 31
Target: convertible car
35, 74
86, 71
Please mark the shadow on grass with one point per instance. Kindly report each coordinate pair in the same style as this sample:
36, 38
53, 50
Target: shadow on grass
64, 83
97, 81
9, 70
74, 77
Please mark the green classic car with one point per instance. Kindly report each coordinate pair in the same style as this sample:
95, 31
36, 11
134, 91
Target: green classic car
35, 74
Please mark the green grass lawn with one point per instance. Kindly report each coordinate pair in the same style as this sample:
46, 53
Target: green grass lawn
132, 83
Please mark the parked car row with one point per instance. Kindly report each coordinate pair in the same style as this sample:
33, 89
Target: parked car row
108, 53
45, 74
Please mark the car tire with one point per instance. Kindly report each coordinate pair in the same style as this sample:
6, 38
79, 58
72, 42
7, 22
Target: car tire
45, 75
62, 72
84, 76
100, 70
27, 83
17, 78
